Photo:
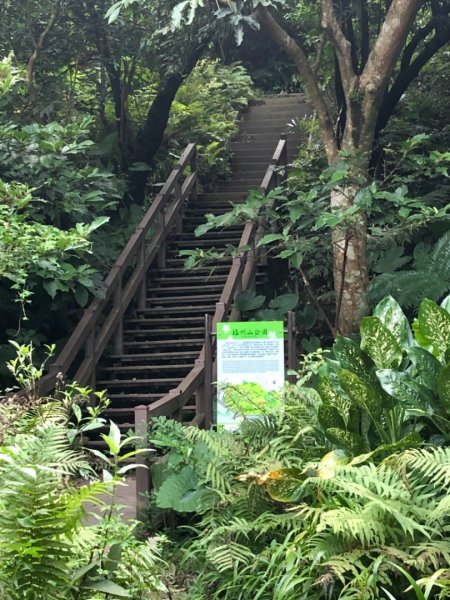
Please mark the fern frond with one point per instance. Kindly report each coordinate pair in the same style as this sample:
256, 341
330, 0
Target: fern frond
431, 466
440, 258
229, 556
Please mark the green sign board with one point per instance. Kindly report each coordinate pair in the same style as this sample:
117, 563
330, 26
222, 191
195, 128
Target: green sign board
253, 330
250, 370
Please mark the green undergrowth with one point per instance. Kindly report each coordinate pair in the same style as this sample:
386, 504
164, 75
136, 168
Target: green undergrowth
61, 536
343, 494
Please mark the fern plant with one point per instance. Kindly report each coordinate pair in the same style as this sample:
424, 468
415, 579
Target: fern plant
294, 508
46, 484
427, 277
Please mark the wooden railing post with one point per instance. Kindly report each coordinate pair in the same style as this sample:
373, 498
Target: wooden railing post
89, 354
117, 308
177, 196
142, 293
208, 412
142, 469
193, 165
162, 250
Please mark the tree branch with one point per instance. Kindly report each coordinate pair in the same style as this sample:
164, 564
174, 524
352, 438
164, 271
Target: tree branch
39, 44
405, 77
319, 54
381, 62
316, 302
341, 44
298, 55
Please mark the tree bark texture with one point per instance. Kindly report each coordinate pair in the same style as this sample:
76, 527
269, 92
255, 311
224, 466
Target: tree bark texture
350, 271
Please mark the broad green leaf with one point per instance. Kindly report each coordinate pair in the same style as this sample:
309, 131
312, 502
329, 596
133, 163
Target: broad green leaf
329, 394
113, 438
362, 394
329, 416
267, 314
426, 365
81, 296
283, 485
100, 455
330, 463
107, 587
349, 441
285, 302
177, 13
443, 387
351, 358
51, 287
379, 343
113, 12
434, 325
392, 317
445, 304
114, 555
409, 393
248, 300
269, 238
182, 492
307, 317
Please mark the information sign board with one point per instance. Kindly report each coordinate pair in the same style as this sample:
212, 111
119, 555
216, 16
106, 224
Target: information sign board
250, 369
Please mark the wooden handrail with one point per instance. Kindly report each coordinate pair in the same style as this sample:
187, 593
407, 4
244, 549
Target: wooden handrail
239, 279
244, 263
103, 319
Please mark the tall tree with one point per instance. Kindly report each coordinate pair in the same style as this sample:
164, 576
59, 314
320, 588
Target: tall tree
377, 51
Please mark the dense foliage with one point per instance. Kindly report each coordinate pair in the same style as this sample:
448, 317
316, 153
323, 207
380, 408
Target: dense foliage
61, 535
337, 496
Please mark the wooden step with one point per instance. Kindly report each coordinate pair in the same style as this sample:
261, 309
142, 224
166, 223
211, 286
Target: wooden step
188, 354
186, 289
202, 308
161, 321
174, 271
159, 343
163, 333
135, 398
160, 381
140, 368
163, 300
181, 279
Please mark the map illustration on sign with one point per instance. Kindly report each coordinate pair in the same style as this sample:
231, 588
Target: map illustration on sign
250, 370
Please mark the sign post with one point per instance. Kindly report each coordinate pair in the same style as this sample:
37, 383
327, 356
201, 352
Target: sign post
250, 369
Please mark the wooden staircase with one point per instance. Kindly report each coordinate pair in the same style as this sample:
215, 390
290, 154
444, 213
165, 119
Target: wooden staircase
163, 340
145, 340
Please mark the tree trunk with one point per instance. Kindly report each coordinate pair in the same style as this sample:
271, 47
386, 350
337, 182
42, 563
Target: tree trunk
150, 136
350, 272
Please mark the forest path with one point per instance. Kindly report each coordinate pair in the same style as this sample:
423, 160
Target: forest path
163, 340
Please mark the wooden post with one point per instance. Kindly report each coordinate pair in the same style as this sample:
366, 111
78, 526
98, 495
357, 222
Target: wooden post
117, 307
89, 353
142, 293
208, 372
162, 249
292, 345
142, 469
193, 165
